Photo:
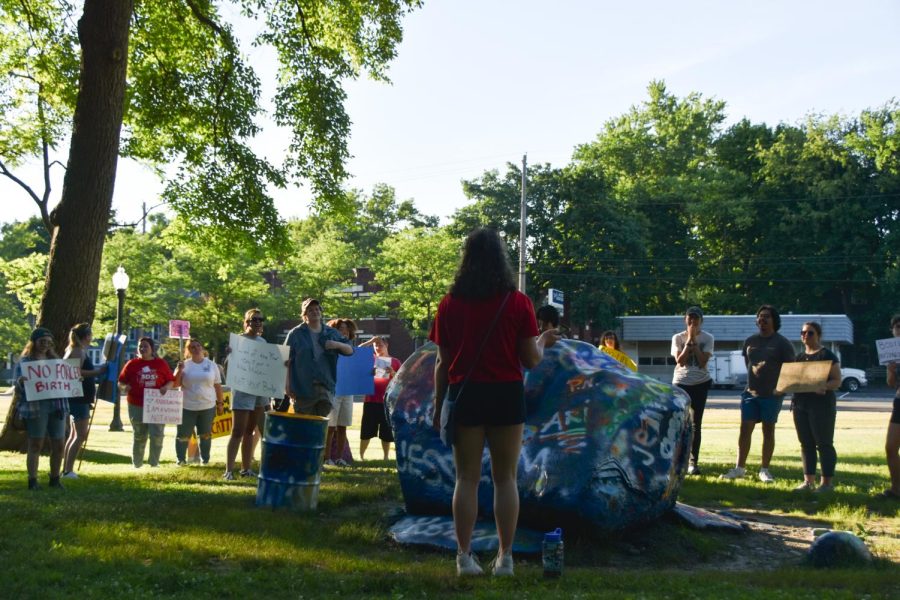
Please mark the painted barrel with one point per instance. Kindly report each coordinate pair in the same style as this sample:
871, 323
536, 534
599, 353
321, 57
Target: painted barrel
292, 454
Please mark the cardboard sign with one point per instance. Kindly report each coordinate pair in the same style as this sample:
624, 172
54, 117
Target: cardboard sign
53, 378
180, 329
224, 423
257, 368
888, 350
804, 376
355, 373
162, 409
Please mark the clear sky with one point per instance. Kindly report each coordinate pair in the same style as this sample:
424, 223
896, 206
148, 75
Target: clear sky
479, 83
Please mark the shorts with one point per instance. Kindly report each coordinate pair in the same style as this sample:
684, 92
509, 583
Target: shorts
342, 412
760, 408
495, 404
49, 422
320, 404
374, 422
244, 401
895, 414
80, 411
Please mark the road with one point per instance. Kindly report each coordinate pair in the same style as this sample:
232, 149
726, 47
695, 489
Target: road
875, 400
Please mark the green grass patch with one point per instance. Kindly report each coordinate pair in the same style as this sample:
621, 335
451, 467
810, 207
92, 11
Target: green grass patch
186, 533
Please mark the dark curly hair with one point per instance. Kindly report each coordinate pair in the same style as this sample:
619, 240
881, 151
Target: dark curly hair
776, 318
484, 269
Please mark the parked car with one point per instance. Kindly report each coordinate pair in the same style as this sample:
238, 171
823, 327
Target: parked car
853, 379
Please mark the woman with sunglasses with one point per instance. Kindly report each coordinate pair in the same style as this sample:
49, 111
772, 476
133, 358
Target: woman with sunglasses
815, 413
249, 411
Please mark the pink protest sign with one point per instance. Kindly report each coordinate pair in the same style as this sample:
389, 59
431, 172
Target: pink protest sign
180, 329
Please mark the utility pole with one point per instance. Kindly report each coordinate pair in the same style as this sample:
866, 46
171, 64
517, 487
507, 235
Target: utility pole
522, 218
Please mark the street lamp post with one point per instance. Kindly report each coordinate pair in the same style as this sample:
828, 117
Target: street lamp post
120, 281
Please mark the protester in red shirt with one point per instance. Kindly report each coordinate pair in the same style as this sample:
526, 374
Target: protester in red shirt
374, 419
486, 332
148, 371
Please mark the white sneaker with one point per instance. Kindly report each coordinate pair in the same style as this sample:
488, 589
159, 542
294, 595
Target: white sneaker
805, 486
765, 476
70, 475
228, 476
735, 473
503, 565
329, 463
467, 564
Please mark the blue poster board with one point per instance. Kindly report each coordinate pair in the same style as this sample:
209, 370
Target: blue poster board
355, 374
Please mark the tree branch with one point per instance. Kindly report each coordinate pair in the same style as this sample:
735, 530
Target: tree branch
45, 217
228, 43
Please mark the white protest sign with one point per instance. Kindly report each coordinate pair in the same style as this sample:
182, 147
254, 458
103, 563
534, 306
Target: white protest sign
162, 409
888, 350
257, 368
53, 378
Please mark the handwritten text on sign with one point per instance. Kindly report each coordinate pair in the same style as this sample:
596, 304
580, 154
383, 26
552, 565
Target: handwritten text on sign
162, 409
54, 378
888, 350
256, 368
180, 329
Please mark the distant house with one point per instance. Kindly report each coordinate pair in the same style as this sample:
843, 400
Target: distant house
647, 340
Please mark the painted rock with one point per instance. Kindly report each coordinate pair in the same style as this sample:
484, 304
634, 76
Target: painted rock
604, 447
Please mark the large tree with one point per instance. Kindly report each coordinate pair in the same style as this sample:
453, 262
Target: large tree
165, 82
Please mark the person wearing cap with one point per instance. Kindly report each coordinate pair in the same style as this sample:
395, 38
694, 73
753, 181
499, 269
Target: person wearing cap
692, 349
43, 418
764, 353
312, 370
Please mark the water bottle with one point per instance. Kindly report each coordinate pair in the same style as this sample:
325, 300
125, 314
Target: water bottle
552, 553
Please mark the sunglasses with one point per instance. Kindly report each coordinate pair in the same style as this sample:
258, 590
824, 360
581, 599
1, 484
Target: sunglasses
258, 320
807, 332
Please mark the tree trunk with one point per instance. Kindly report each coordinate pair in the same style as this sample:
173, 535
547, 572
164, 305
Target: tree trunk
81, 218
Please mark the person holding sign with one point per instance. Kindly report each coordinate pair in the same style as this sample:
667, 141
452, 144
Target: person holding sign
80, 337
764, 353
815, 413
201, 386
609, 344
314, 348
147, 371
892, 443
374, 419
44, 418
249, 411
341, 416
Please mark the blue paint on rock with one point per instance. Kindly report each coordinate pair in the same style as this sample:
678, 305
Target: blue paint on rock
604, 447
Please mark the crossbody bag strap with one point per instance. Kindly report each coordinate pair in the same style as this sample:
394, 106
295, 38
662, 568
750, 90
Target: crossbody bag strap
487, 335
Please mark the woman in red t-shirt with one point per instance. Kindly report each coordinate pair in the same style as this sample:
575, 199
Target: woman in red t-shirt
148, 371
488, 368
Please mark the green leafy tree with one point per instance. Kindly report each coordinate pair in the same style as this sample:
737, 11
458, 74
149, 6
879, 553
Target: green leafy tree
414, 270
191, 103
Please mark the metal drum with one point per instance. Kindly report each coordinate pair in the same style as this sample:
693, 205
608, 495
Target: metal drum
292, 452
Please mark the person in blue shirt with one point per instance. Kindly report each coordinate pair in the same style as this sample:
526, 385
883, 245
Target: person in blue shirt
312, 369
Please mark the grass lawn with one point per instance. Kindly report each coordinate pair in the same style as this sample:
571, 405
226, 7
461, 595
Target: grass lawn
184, 532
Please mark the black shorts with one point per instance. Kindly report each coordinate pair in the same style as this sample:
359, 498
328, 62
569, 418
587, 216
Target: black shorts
895, 415
494, 404
374, 422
